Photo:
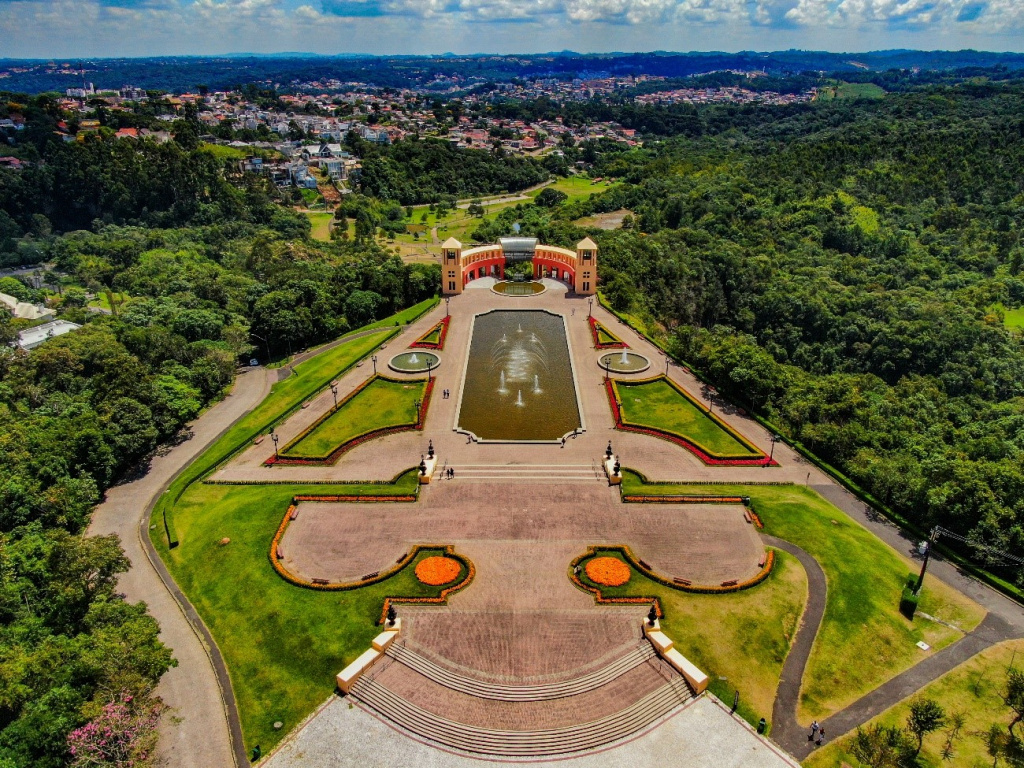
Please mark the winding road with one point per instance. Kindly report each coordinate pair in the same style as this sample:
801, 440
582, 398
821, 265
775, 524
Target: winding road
197, 735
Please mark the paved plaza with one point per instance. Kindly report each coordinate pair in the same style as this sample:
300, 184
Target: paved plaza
701, 734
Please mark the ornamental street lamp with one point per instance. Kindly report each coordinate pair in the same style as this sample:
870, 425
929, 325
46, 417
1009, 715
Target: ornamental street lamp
668, 362
711, 398
771, 455
274, 437
374, 361
334, 391
590, 312
447, 301
267, 343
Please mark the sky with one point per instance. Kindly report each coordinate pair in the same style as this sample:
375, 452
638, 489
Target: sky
93, 28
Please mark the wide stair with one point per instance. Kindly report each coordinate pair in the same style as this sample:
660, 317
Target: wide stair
482, 717
524, 473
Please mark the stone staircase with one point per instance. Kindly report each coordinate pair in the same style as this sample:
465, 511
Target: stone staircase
526, 473
499, 692
630, 694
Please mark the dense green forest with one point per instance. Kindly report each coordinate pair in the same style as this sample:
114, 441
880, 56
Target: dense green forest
841, 269
216, 270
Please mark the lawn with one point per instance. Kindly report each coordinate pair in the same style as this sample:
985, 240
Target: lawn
321, 225
863, 640
109, 300
974, 688
656, 403
433, 336
381, 404
404, 317
1012, 318
741, 639
576, 187
283, 644
851, 91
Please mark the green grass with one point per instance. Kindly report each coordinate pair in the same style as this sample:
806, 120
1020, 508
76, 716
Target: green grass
109, 300
321, 225
224, 152
740, 640
284, 650
863, 640
283, 644
576, 187
656, 403
433, 336
974, 688
851, 91
382, 403
604, 336
404, 317
1012, 318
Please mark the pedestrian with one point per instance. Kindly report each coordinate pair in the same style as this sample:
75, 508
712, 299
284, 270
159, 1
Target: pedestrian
573, 312
452, 470
563, 442
814, 728
821, 737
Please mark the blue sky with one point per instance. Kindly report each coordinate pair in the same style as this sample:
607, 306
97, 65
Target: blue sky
70, 28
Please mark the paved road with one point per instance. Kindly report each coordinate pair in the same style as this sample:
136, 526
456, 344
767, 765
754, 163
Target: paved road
201, 738
786, 731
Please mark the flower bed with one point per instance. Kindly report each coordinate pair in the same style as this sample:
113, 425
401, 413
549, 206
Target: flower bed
608, 571
442, 333
441, 598
596, 329
680, 440
682, 585
348, 445
436, 571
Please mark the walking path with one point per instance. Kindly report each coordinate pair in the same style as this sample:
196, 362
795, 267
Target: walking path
786, 731
198, 733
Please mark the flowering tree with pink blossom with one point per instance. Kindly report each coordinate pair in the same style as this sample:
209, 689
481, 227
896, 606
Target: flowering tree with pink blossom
123, 735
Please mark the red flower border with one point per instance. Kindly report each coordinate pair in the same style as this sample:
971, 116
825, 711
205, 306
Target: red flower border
333, 456
617, 344
700, 453
439, 344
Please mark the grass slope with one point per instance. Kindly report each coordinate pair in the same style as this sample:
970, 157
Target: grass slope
740, 640
863, 640
321, 225
658, 404
382, 403
974, 688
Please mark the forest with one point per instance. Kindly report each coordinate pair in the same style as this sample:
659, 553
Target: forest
843, 270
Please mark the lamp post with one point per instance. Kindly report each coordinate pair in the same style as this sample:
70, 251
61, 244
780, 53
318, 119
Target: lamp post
590, 312
274, 437
771, 455
267, 343
334, 391
374, 361
668, 362
711, 398
447, 301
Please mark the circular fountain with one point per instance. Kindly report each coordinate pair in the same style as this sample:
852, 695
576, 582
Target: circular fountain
518, 288
624, 362
414, 362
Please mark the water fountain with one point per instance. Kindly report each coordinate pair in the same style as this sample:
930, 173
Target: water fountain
512, 351
518, 288
625, 362
414, 362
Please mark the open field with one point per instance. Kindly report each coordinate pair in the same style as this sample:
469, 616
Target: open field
850, 91
656, 403
865, 578
321, 225
382, 403
974, 688
739, 639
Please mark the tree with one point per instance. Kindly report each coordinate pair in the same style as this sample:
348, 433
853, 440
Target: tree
549, 197
880, 746
1013, 695
123, 735
926, 716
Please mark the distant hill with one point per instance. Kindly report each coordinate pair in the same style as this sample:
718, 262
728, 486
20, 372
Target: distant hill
182, 73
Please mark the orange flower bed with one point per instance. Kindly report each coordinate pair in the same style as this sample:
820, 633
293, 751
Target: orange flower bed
436, 571
608, 571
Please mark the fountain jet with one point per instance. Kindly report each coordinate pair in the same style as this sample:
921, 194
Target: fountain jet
519, 399
536, 384
502, 389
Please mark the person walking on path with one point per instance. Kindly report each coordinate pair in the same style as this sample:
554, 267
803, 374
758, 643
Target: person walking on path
814, 730
821, 737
